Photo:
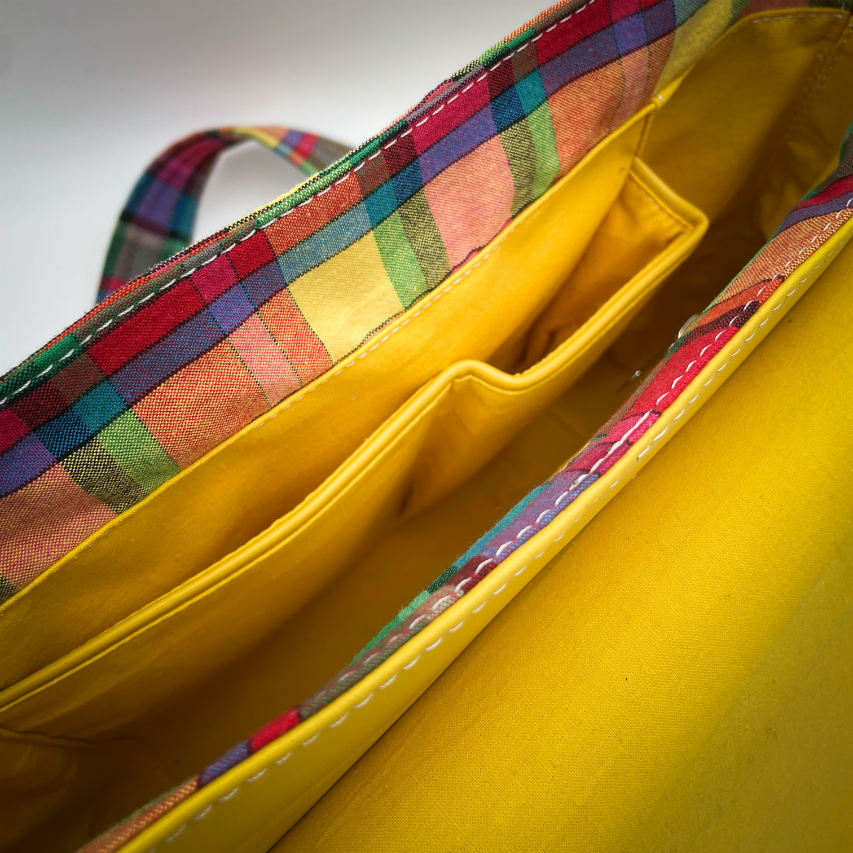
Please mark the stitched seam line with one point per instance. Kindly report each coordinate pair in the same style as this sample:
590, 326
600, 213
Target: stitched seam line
310, 199
689, 404
80, 347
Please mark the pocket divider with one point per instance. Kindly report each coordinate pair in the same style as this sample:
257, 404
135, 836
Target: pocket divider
439, 438
245, 484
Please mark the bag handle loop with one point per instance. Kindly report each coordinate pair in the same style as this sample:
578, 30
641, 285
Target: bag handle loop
158, 217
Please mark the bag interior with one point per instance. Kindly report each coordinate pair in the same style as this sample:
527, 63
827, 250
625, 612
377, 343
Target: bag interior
271, 562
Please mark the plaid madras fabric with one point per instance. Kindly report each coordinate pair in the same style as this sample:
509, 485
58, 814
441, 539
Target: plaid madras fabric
97, 419
157, 219
805, 229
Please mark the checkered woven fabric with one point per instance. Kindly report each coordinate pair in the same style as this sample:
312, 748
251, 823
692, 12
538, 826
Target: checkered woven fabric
806, 228
158, 217
99, 418
529, 86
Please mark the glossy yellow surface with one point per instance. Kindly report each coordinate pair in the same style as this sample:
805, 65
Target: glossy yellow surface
680, 677
715, 583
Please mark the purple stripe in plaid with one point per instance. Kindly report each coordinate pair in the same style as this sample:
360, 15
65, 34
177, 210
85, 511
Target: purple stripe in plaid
158, 218
157, 327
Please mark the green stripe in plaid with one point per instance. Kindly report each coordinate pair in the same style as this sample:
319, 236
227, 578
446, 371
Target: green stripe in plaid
249, 312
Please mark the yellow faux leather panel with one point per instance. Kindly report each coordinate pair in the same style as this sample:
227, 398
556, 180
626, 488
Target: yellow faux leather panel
269, 466
447, 431
650, 646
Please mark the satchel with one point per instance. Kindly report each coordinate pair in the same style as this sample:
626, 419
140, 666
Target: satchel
490, 490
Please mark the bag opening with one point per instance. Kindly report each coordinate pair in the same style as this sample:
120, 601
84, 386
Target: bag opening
259, 629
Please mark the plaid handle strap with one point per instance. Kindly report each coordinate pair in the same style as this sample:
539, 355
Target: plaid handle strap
157, 219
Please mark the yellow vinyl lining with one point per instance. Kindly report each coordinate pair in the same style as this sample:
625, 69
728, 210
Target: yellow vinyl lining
433, 472
685, 619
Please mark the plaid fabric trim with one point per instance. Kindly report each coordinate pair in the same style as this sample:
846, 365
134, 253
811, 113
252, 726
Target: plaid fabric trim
86, 430
815, 220
157, 219
92, 423
804, 230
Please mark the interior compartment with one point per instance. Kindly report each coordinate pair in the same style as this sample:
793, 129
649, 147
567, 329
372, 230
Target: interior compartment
440, 438
740, 150
271, 465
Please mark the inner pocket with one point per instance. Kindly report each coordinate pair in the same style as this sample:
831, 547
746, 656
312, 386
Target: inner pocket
309, 591
646, 234
245, 636
261, 473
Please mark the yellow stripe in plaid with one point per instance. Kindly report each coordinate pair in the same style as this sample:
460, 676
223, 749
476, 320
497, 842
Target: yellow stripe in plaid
356, 284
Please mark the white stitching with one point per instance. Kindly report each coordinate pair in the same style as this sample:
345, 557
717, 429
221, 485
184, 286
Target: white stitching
365, 700
484, 565
204, 812
177, 832
503, 586
505, 545
225, 797
335, 183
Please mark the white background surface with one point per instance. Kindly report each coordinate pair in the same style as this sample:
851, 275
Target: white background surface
91, 90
